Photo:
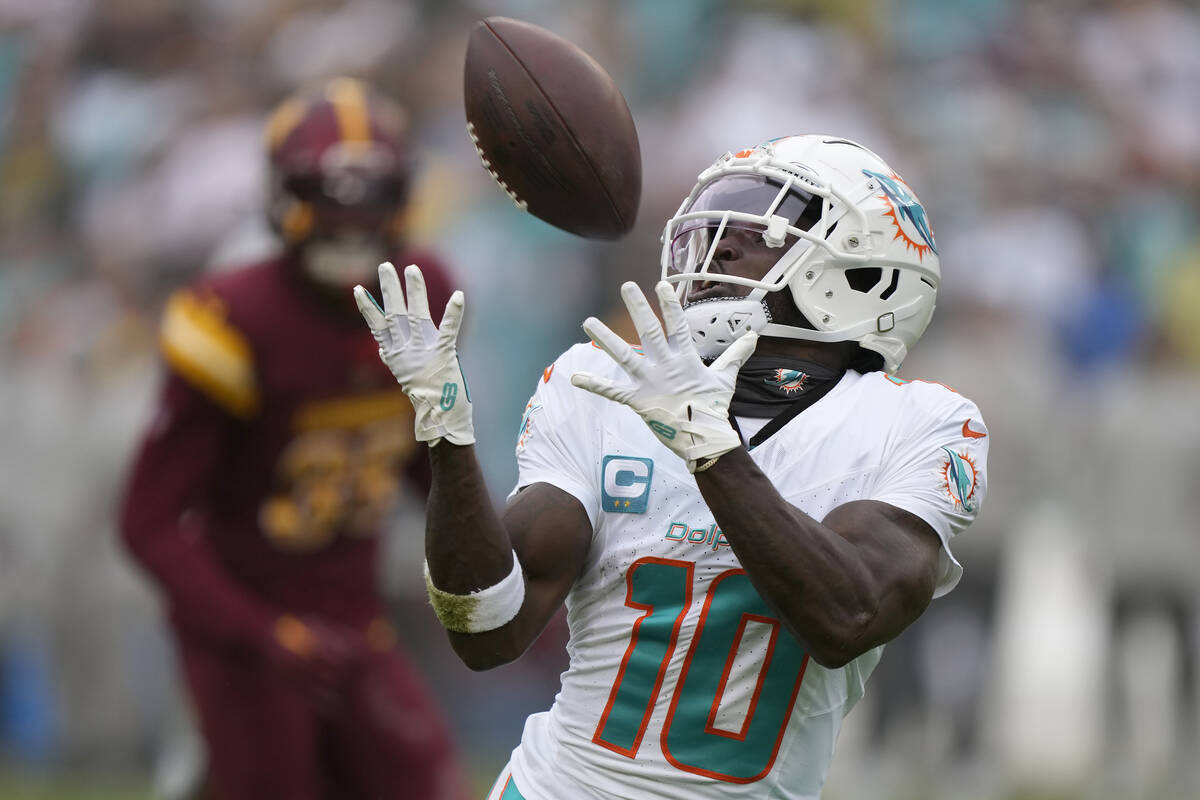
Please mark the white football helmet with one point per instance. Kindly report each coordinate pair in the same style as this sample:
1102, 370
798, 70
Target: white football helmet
856, 248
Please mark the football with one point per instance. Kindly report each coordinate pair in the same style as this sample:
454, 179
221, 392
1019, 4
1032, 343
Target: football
552, 128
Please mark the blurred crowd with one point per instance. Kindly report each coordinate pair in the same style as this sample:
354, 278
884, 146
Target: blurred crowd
1055, 143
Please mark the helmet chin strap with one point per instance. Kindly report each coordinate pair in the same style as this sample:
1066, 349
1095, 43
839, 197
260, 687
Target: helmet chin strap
805, 334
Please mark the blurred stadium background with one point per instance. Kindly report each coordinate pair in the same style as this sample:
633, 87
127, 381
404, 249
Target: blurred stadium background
1055, 143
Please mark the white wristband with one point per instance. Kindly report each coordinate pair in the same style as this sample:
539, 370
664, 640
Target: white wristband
481, 610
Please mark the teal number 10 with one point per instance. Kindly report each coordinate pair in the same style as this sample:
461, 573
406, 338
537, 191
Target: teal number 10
690, 739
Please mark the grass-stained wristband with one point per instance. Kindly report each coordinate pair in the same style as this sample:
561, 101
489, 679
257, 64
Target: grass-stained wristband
482, 610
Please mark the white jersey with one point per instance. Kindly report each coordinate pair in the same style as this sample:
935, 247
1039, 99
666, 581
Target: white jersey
682, 683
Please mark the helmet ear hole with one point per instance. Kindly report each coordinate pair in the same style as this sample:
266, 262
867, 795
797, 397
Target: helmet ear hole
891, 289
864, 279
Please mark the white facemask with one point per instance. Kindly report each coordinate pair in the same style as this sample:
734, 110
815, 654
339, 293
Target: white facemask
344, 261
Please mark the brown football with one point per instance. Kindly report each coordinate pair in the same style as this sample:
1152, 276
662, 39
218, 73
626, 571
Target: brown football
552, 128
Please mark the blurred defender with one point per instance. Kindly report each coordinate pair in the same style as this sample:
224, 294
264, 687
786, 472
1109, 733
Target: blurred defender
278, 450
738, 515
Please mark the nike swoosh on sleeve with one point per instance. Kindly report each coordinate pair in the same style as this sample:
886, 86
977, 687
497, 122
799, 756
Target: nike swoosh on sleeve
970, 434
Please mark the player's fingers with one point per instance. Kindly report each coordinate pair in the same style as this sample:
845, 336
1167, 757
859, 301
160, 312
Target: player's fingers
648, 327
370, 310
601, 386
451, 320
395, 311
420, 322
617, 348
393, 293
679, 334
736, 354
418, 300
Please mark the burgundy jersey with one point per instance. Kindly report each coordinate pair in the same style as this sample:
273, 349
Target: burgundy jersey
278, 451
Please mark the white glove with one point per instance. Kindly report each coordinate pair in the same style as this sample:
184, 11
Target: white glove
683, 401
421, 357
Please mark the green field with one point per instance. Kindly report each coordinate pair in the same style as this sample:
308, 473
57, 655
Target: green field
27, 785
35, 786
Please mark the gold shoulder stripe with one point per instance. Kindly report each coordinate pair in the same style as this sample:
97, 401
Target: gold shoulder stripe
200, 344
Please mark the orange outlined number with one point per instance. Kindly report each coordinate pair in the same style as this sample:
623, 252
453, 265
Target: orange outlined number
663, 589
735, 634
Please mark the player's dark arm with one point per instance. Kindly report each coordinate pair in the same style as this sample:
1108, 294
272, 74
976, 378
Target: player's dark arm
178, 460
843, 584
469, 546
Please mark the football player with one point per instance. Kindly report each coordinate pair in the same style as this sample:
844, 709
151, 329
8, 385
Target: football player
278, 450
739, 514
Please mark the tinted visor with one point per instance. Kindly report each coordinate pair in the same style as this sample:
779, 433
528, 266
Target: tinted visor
749, 194
755, 195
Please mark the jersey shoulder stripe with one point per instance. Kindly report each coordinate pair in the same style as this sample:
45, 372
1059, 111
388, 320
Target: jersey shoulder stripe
931, 400
200, 344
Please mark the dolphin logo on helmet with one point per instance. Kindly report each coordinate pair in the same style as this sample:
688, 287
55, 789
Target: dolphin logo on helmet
906, 207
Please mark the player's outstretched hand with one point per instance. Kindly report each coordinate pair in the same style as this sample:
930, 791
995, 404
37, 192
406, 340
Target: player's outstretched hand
683, 401
422, 357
